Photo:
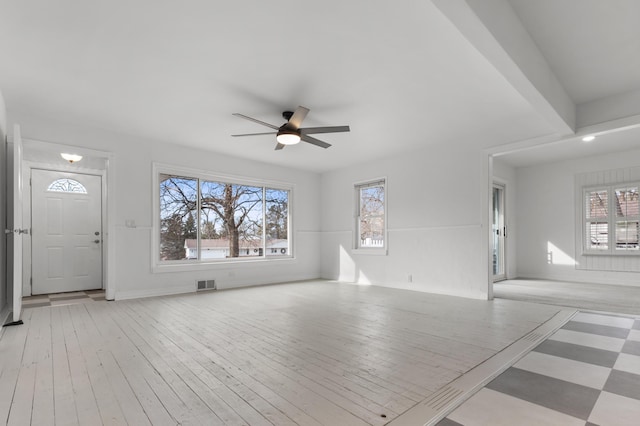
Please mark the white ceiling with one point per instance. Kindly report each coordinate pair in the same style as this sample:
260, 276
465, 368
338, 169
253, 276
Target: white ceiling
592, 46
404, 75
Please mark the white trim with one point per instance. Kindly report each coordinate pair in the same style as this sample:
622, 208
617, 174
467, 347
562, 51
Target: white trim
226, 178
164, 291
27, 273
370, 251
179, 266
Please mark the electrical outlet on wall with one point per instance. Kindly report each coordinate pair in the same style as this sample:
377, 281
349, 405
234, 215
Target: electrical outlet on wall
410, 278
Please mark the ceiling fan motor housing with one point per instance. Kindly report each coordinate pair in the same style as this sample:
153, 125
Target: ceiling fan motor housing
287, 115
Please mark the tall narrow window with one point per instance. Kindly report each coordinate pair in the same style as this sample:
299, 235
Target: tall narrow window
627, 218
277, 221
370, 209
178, 209
597, 225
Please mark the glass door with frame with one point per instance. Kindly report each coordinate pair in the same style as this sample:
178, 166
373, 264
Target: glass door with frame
499, 233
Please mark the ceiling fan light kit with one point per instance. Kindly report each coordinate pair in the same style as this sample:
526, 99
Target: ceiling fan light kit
288, 137
290, 133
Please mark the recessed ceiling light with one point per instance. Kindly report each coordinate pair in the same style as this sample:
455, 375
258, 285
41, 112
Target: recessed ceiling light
588, 138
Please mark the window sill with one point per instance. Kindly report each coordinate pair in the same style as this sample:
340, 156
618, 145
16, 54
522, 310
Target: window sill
370, 251
610, 254
224, 264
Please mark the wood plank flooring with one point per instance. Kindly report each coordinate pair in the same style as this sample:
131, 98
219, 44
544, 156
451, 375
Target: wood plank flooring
309, 353
591, 296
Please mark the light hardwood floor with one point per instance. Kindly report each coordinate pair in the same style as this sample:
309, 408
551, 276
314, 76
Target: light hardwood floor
310, 353
591, 296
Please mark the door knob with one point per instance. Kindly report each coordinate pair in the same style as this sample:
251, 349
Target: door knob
96, 241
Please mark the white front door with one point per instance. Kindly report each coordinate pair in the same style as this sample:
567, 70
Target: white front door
66, 221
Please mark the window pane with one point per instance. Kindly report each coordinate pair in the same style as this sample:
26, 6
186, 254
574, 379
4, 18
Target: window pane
372, 216
627, 235
277, 226
178, 204
67, 185
627, 202
597, 235
230, 220
597, 204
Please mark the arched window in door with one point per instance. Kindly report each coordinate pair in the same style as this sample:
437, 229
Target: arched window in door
67, 185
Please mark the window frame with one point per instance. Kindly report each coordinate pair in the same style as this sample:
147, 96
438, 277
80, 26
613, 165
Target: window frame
158, 265
611, 219
357, 247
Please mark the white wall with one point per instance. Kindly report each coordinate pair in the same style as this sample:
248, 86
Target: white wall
546, 218
505, 174
132, 168
436, 205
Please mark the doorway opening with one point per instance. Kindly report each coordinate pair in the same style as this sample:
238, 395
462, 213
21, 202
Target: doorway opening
499, 231
66, 204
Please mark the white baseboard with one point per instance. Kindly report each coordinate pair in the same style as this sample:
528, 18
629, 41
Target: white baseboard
154, 292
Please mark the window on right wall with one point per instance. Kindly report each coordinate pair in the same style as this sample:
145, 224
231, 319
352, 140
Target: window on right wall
371, 215
611, 219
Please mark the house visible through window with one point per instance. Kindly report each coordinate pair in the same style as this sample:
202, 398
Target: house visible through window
612, 219
370, 224
209, 220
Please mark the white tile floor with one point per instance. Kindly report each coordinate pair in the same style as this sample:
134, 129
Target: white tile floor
59, 299
581, 378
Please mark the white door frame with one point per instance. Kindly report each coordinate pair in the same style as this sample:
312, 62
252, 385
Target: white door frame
108, 206
27, 272
17, 230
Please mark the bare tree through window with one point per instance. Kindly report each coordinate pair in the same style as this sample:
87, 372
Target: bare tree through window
371, 215
203, 219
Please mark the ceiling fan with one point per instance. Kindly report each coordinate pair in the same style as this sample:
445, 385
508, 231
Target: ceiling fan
290, 133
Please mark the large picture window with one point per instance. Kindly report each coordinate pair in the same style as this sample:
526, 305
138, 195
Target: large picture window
370, 208
612, 219
203, 220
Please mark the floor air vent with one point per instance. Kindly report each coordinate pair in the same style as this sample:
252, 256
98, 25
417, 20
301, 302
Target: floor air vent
443, 397
533, 337
206, 285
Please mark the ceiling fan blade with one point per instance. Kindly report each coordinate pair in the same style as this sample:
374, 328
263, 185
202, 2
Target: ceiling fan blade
315, 141
280, 146
330, 129
255, 134
297, 117
256, 121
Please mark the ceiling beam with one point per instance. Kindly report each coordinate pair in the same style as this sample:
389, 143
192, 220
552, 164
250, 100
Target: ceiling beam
599, 129
494, 29
609, 109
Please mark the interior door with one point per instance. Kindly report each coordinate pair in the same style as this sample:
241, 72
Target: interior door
16, 229
66, 223
499, 233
